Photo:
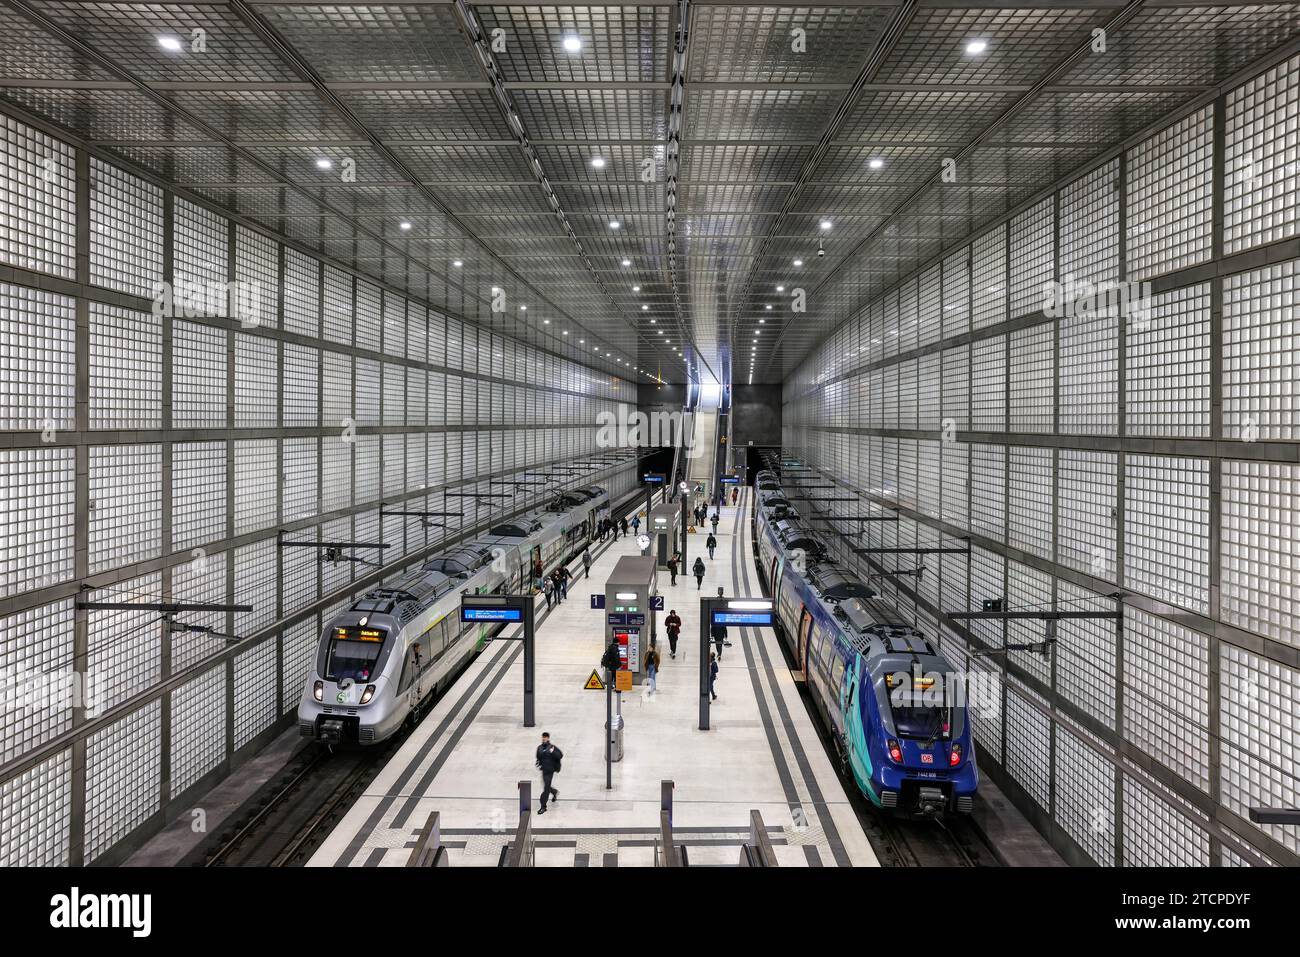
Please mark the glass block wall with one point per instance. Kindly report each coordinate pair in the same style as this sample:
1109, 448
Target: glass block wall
149, 455
1085, 450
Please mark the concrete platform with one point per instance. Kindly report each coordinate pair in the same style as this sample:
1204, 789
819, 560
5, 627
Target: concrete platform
762, 751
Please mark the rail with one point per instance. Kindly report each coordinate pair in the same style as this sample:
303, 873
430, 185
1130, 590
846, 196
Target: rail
757, 851
429, 850
521, 852
668, 853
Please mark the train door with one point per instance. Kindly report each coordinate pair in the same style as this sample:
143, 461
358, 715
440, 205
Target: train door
772, 581
538, 568
805, 634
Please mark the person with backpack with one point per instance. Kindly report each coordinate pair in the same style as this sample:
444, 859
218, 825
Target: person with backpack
673, 625
713, 675
672, 569
586, 563
548, 759
719, 633
714, 522
652, 668
698, 571
563, 575
636, 524
711, 543
548, 589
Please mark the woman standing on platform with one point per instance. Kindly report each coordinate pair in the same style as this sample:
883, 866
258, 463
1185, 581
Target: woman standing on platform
652, 668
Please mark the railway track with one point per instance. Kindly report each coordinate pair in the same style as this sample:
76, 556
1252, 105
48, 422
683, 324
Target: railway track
293, 814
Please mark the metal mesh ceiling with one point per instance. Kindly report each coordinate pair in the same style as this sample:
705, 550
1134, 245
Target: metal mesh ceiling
789, 115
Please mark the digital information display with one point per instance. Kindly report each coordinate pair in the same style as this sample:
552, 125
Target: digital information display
358, 634
654, 478
731, 480
742, 618
491, 614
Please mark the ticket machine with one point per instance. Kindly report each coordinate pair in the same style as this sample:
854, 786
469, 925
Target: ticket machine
629, 618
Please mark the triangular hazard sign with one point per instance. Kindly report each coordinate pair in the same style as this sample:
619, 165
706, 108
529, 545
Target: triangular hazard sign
594, 683
692, 528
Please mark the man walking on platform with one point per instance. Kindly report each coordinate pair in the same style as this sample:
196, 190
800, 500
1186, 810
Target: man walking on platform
711, 543
586, 563
698, 570
673, 624
548, 760
672, 569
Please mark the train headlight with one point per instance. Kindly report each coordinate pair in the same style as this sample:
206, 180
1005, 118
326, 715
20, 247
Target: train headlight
895, 752
367, 694
954, 756
319, 691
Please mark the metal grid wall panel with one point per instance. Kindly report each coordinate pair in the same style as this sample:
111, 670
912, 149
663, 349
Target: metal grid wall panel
1140, 440
37, 202
204, 345
125, 368
37, 360
36, 815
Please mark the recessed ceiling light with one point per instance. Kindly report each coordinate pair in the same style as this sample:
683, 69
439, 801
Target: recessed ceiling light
976, 46
798, 262
582, 342
523, 308
661, 332
762, 321
627, 262
573, 43
614, 224
780, 288
653, 321
825, 224
644, 307
566, 332
324, 162
876, 163
457, 263
769, 305
404, 225
636, 288
169, 43
546, 322
598, 162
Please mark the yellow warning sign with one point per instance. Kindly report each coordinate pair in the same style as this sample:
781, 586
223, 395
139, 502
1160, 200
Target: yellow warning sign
622, 681
692, 528
594, 683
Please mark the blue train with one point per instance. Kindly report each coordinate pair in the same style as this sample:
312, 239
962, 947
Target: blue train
895, 707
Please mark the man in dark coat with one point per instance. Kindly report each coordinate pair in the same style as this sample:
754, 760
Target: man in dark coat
548, 759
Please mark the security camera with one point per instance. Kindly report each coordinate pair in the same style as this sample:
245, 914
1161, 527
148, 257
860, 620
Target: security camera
820, 252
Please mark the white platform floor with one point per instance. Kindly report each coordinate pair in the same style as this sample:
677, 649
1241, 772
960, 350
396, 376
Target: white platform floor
762, 752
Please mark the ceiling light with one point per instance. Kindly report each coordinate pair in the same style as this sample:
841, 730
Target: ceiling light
523, 308
324, 162
170, 43
644, 307
976, 46
614, 224
566, 332
780, 288
636, 288
457, 263
769, 306
653, 321
825, 224
876, 163
627, 262
598, 162
404, 225
798, 262
573, 43
661, 332
762, 322
546, 322
582, 342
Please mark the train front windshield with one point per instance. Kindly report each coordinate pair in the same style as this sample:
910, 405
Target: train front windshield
917, 715
352, 659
